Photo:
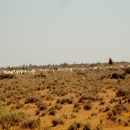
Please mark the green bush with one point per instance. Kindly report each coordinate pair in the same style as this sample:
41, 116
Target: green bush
11, 118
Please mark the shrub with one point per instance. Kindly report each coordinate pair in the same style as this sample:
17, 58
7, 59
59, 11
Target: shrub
57, 122
80, 72
43, 113
117, 110
31, 123
89, 96
106, 109
37, 112
52, 111
112, 117
74, 126
7, 76
31, 99
18, 105
59, 92
40, 75
65, 100
87, 106
127, 70
123, 91
118, 76
129, 98
76, 107
42, 106
58, 106
98, 128
126, 123
87, 126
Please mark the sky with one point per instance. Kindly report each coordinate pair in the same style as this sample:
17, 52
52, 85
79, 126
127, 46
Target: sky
63, 31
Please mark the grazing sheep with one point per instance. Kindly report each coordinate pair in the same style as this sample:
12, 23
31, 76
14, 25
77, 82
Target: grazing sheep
4, 72
33, 71
122, 66
95, 68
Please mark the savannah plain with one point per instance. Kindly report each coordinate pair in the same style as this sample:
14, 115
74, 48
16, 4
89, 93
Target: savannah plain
89, 97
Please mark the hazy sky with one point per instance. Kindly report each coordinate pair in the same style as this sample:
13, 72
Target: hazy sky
57, 31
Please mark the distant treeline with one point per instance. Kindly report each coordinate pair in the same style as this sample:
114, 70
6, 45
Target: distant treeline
63, 65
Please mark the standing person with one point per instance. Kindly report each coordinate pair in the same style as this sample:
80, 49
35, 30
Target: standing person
110, 61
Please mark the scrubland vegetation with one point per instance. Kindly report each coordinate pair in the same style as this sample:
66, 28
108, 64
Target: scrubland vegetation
77, 100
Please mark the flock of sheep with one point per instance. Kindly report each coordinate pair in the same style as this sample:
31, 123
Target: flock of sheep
53, 70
